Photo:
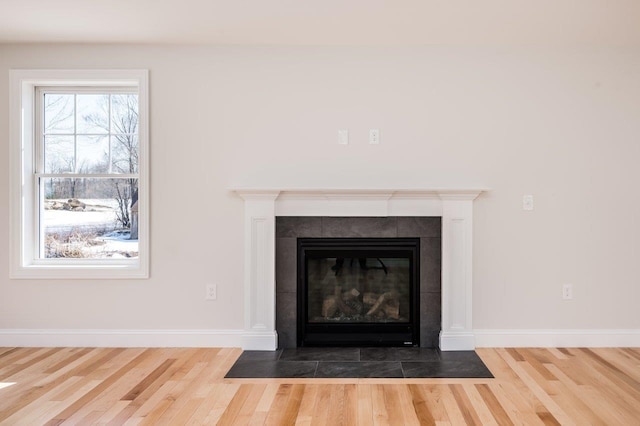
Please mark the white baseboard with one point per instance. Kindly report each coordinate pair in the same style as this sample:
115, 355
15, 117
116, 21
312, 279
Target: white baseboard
457, 341
138, 338
268, 340
557, 338
261, 341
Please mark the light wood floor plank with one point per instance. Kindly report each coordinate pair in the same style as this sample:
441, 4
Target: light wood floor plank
267, 398
221, 403
396, 411
624, 362
380, 415
37, 407
211, 395
365, 407
233, 408
182, 386
484, 414
290, 413
247, 413
323, 402
182, 402
15, 355
567, 392
7, 351
434, 398
450, 405
515, 405
420, 405
496, 409
545, 407
307, 405
351, 405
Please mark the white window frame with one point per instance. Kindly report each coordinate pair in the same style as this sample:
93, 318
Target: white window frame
24, 144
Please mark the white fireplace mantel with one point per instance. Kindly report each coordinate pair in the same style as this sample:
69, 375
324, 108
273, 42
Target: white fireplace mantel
454, 205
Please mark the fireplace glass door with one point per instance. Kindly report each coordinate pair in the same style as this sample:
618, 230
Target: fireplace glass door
358, 291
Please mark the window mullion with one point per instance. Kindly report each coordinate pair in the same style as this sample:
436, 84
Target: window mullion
75, 133
38, 160
40, 237
38, 240
110, 165
88, 175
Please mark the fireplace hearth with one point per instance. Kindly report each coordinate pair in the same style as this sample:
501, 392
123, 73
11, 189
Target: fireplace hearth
358, 291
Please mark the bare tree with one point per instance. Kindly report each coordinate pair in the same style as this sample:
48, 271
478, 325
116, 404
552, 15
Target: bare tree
123, 154
58, 117
58, 109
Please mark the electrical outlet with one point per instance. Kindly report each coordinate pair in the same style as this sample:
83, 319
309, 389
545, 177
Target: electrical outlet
527, 202
374, 136
211, 292
567, 292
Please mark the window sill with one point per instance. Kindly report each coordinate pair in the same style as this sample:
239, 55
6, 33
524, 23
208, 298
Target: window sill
93, 271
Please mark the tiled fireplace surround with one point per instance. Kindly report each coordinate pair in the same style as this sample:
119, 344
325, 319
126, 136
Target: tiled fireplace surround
290, 228
342, 209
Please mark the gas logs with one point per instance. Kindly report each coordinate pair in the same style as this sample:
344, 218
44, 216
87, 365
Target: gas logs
349, 303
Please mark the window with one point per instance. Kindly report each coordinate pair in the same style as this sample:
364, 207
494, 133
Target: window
79, 199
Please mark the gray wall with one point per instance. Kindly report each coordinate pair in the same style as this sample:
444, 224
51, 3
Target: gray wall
560, 123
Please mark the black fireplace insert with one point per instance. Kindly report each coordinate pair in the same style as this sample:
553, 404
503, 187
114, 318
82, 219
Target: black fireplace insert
358, 291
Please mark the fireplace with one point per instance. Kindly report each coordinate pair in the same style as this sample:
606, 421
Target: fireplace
358, 291
263, 205
359, 249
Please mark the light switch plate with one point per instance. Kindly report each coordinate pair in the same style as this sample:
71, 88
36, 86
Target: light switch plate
343, 137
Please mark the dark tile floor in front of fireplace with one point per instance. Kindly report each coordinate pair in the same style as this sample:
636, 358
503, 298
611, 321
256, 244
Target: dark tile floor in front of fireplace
358, 363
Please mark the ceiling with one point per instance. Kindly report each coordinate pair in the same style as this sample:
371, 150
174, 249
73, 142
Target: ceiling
323, 22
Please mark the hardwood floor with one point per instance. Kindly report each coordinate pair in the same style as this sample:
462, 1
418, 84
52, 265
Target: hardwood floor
187, 386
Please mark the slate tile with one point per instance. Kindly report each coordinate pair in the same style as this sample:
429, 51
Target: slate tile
286, 264
286, 314
398, 354
430, 310
359, 227
367, 369
409, 226
259, 356
298, 226
272, 369
429, 338
321, 354
445, 369
430, 264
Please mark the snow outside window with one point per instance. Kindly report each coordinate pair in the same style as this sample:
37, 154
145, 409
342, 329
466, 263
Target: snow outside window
79, 139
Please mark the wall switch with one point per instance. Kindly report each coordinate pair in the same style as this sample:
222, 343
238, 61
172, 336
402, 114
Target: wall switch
343, 136
567, 292
527, 202
374, 136
211, 292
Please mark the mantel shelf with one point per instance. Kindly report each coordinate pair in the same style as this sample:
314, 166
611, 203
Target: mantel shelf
467, 193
